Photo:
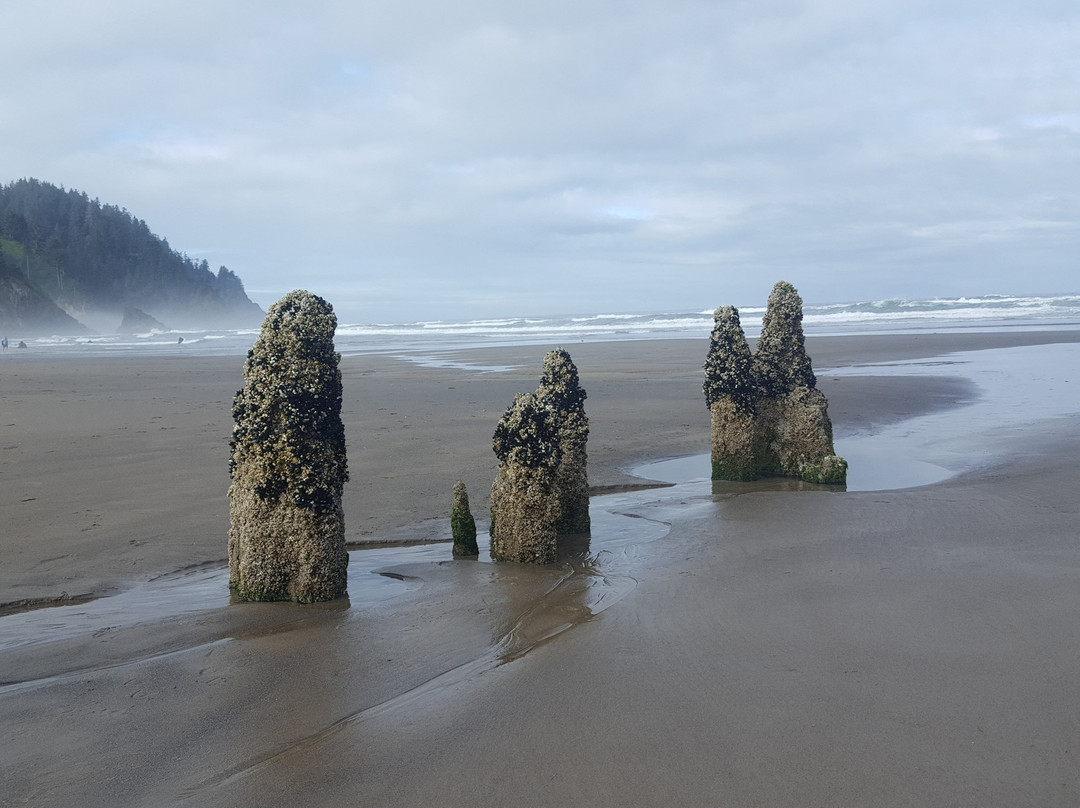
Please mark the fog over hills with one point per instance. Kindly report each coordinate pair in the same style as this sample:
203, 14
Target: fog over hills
70, 264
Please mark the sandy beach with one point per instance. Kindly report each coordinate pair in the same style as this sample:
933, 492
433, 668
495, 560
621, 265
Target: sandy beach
711, 646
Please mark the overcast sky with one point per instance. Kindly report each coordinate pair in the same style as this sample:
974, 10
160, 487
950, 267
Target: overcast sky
422, 158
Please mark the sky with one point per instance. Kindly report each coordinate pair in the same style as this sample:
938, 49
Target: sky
421, 159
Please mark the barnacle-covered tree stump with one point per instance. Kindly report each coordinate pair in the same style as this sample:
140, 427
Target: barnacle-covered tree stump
560, 392
524, 505
288, 464
462, 524
768, 417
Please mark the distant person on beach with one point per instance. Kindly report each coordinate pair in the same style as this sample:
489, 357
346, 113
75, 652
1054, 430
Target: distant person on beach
4, 343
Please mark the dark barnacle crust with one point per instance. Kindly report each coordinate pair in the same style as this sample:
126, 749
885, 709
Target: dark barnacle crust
729, 369
527, 435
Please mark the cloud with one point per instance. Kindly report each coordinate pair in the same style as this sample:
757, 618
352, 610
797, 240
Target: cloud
568, 157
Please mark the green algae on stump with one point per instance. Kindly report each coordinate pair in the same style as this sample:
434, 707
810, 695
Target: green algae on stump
524, 506
288, 463
462, 524
560, 392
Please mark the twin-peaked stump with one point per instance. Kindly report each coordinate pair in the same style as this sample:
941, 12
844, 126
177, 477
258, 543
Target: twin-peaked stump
541, 488
768, 417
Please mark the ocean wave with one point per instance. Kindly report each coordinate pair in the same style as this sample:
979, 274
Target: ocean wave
598, 317
974, 312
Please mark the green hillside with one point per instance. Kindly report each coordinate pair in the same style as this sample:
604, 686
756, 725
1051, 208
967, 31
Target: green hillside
96, 259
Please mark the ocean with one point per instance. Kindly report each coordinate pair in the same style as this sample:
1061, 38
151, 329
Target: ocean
941, 315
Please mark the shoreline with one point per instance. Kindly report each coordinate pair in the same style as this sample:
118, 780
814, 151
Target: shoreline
893, 647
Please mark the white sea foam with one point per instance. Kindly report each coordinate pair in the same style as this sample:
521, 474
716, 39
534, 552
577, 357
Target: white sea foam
968, 313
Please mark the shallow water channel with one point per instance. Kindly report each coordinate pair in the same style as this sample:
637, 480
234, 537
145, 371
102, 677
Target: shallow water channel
596, 568
590, 562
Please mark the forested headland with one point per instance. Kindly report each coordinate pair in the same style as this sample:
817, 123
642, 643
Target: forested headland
67, 259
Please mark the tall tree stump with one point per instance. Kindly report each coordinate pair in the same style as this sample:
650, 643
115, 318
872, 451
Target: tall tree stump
288, 464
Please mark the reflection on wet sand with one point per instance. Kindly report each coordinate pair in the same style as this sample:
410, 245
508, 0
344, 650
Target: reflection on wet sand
582, 584
589, 576
875, 464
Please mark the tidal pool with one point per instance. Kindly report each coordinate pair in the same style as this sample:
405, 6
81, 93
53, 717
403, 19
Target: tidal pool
1017, 387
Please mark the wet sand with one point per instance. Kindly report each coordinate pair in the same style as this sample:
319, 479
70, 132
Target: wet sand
900, 647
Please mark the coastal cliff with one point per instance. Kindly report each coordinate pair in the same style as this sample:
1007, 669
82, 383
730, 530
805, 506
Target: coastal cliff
26, 311
66, 258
